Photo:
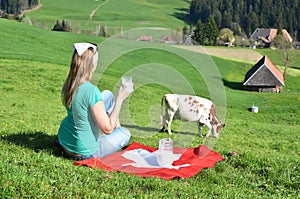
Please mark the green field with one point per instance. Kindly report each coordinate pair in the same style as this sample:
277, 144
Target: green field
33, 67
113, 14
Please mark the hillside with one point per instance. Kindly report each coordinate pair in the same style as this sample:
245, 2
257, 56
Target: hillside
260, 150
53, 44
38, 44
113, 14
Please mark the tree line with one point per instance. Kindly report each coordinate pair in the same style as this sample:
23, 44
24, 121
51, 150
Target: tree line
244, 16
16, 7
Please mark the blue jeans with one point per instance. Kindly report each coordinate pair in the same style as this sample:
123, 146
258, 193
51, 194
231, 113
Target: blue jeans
120, 137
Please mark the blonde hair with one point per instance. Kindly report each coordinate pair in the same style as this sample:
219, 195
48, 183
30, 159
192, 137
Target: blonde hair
81, 70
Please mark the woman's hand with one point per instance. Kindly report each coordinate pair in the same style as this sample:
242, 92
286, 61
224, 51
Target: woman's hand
125, 91
108, 123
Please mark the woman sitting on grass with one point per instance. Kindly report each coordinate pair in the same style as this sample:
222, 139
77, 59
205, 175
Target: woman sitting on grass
90, 111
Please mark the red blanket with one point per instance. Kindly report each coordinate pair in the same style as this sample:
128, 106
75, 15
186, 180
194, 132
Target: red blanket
114, 162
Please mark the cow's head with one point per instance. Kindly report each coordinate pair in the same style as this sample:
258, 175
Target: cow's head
217, 128
220, 125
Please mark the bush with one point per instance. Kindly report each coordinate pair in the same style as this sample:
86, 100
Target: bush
62, 26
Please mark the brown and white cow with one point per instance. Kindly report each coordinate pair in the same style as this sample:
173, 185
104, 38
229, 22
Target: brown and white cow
191, 109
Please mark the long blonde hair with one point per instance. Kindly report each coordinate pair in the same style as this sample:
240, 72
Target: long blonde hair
81, 70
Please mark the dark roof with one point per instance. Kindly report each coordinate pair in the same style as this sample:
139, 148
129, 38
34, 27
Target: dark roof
261, 33
268, 34
262, 67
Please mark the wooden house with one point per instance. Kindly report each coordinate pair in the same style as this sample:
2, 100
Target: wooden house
266, 35
264, 76
168, 39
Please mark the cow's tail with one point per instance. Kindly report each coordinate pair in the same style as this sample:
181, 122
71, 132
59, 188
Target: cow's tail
163, 100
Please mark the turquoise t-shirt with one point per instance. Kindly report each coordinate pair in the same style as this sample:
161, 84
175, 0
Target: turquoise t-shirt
78, 131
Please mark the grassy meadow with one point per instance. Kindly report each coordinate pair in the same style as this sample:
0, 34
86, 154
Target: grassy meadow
113, 14
33, 67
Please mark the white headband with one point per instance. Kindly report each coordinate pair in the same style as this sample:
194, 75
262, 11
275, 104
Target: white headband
82, 47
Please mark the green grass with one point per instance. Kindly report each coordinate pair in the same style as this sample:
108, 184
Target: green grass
33, 66
277, 56
36, 44
112, 13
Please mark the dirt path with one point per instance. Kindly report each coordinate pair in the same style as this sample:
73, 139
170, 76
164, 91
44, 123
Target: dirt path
247, 55
94, 11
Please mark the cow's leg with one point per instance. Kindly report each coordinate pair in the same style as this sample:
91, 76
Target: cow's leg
163, 123
169, 126
209, 126
169, 122
200, 125
209, 130
215, 131
207, 123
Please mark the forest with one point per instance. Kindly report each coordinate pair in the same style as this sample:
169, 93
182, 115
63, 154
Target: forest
16, 6
244, 16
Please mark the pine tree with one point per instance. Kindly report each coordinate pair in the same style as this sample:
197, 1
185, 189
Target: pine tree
211, 31
249, 15
198, 35
226, 20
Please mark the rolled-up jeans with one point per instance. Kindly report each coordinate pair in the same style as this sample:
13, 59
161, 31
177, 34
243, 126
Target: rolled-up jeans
110, 143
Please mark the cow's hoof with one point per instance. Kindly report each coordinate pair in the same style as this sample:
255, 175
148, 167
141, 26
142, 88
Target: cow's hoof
162, 130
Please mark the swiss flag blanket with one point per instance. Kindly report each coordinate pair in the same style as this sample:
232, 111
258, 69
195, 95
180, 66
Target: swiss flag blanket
189, 162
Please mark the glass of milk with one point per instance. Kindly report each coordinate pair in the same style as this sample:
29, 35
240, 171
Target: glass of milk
127, 83
165, 152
